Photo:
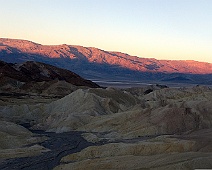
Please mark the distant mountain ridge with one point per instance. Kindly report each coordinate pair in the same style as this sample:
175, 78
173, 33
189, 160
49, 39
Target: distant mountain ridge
95, 63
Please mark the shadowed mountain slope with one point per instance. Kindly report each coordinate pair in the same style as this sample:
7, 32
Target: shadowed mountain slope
36, 71
38, 78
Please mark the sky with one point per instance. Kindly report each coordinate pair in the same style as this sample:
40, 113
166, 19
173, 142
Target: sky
161, 29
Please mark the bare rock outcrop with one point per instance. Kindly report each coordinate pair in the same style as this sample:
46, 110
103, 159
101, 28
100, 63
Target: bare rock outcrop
37, 77
14, 140
164, 152
162, 161
167, 128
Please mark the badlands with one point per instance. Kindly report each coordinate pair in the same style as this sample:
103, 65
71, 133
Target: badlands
152, 127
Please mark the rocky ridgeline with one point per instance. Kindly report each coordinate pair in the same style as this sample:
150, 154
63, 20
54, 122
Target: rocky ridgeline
38, 77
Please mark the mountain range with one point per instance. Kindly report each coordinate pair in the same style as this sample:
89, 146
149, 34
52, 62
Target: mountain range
97, 64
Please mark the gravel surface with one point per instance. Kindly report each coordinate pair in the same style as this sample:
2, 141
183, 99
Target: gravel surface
61, 144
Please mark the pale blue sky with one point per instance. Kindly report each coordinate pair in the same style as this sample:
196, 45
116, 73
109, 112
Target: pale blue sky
162, 29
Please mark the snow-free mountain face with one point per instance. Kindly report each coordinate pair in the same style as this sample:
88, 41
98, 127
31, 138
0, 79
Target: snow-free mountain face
32, 72
95, 63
